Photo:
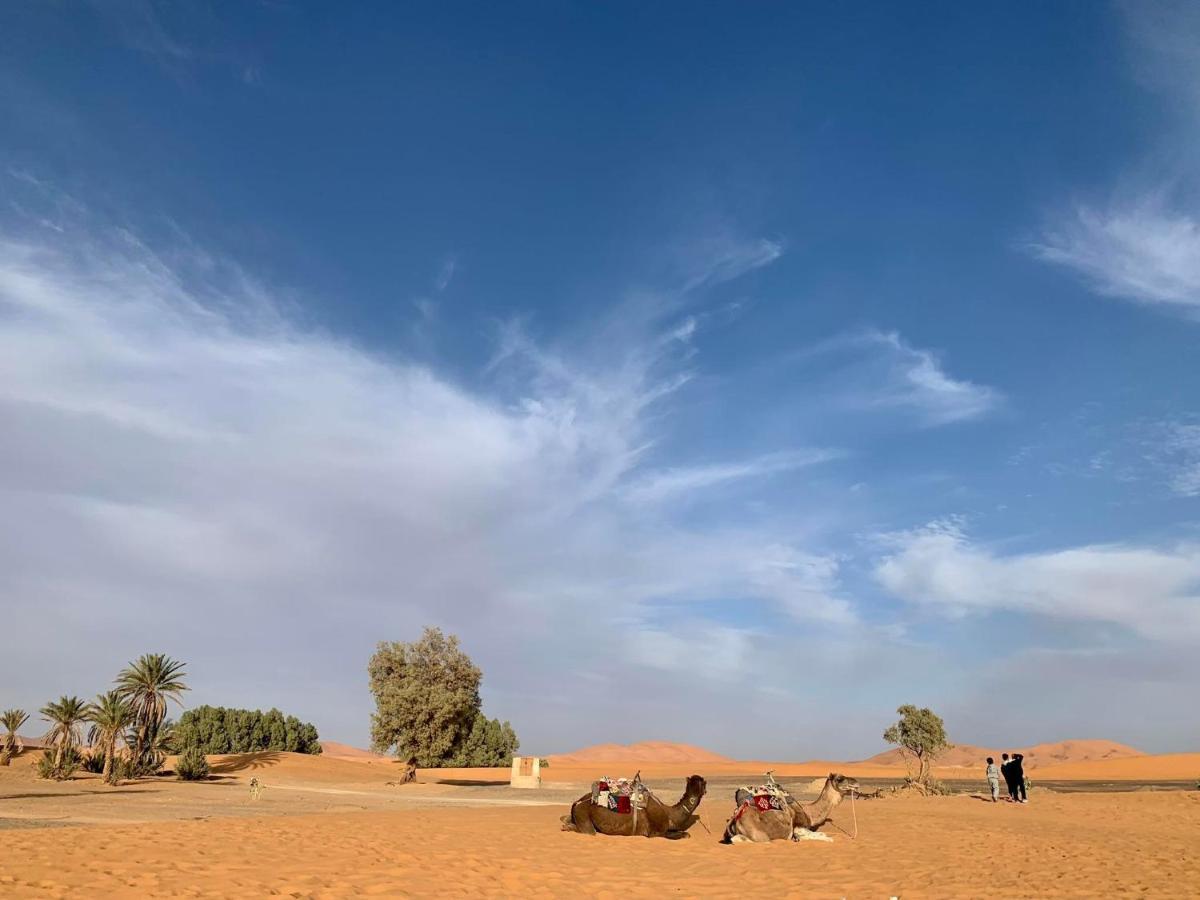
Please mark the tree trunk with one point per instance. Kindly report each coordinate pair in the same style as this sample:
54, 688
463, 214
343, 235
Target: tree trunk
108, 762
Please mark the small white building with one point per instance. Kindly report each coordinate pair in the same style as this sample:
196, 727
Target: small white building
526, 772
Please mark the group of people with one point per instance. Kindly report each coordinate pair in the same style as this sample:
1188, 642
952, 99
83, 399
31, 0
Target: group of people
1013, 772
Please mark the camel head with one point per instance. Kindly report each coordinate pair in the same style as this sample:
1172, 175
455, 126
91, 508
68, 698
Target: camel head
696, 787
843, 784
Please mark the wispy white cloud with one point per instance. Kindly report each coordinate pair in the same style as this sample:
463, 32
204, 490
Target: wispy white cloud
171, 441
1143, 253
1152, 591
1175, 447
723, 257
445, 273
1145, 245
660, 485
882, 371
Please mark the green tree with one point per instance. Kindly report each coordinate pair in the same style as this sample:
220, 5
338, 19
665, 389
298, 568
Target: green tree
147, 685
110, 716
66, 717
215, 729
921, 736
489, 743
12, 720
426, 699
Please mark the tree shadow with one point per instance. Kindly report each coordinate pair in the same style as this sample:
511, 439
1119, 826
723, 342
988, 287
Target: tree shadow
241, 762
65, 796
463, 782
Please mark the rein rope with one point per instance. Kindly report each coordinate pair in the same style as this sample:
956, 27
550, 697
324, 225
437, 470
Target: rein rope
853, 814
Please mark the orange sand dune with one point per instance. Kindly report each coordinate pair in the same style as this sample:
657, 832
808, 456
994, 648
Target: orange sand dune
1161, 767
334, 750
299, 767
642, 752
971, 756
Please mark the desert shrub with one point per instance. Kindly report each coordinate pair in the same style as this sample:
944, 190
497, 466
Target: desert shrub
192, 765
215, 729
427, 705
544, 763
68, 764
93, 762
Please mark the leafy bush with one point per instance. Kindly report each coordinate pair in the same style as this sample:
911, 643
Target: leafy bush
66, 767
490, 743
192, 765
93, 762
215, 729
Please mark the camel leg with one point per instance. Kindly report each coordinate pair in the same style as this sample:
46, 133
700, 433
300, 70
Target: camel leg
740, 839
581, 819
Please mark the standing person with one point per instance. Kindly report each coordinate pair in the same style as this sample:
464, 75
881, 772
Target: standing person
1006, 771
1018, 774
993, 777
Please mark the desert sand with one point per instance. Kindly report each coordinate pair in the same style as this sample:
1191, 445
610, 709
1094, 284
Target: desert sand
329, 827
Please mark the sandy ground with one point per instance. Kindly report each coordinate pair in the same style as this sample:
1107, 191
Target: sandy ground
334, 828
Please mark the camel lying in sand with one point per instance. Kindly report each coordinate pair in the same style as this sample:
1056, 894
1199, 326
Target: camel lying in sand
655, 820
753, 824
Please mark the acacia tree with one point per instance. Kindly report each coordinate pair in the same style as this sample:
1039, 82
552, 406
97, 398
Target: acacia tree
427, 704
921, 736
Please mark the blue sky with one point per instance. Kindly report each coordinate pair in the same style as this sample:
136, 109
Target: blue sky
696, 365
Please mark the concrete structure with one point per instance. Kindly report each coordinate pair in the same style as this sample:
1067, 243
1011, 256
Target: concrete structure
526, 772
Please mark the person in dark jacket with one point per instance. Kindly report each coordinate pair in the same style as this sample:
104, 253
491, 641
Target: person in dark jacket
1018, 775
1006, 771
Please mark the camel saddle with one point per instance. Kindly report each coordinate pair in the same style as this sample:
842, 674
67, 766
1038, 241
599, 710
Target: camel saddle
621, 795
764, 798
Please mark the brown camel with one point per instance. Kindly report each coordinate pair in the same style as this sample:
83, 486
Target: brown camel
655, 820
756, 825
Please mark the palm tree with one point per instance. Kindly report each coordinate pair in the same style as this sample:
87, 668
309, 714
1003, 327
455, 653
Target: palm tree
146, 685
110, 716
66, 717
12, 720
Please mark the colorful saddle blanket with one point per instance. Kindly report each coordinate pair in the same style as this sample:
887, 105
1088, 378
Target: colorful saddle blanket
763, 798
621, 795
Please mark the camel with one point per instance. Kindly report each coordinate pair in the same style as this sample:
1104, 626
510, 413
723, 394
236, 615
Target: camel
655, 820
794, 822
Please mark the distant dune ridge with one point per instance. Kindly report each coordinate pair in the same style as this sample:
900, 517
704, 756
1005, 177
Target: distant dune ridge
1058, 753
334, 750
644, 751
659, 753
963, 755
